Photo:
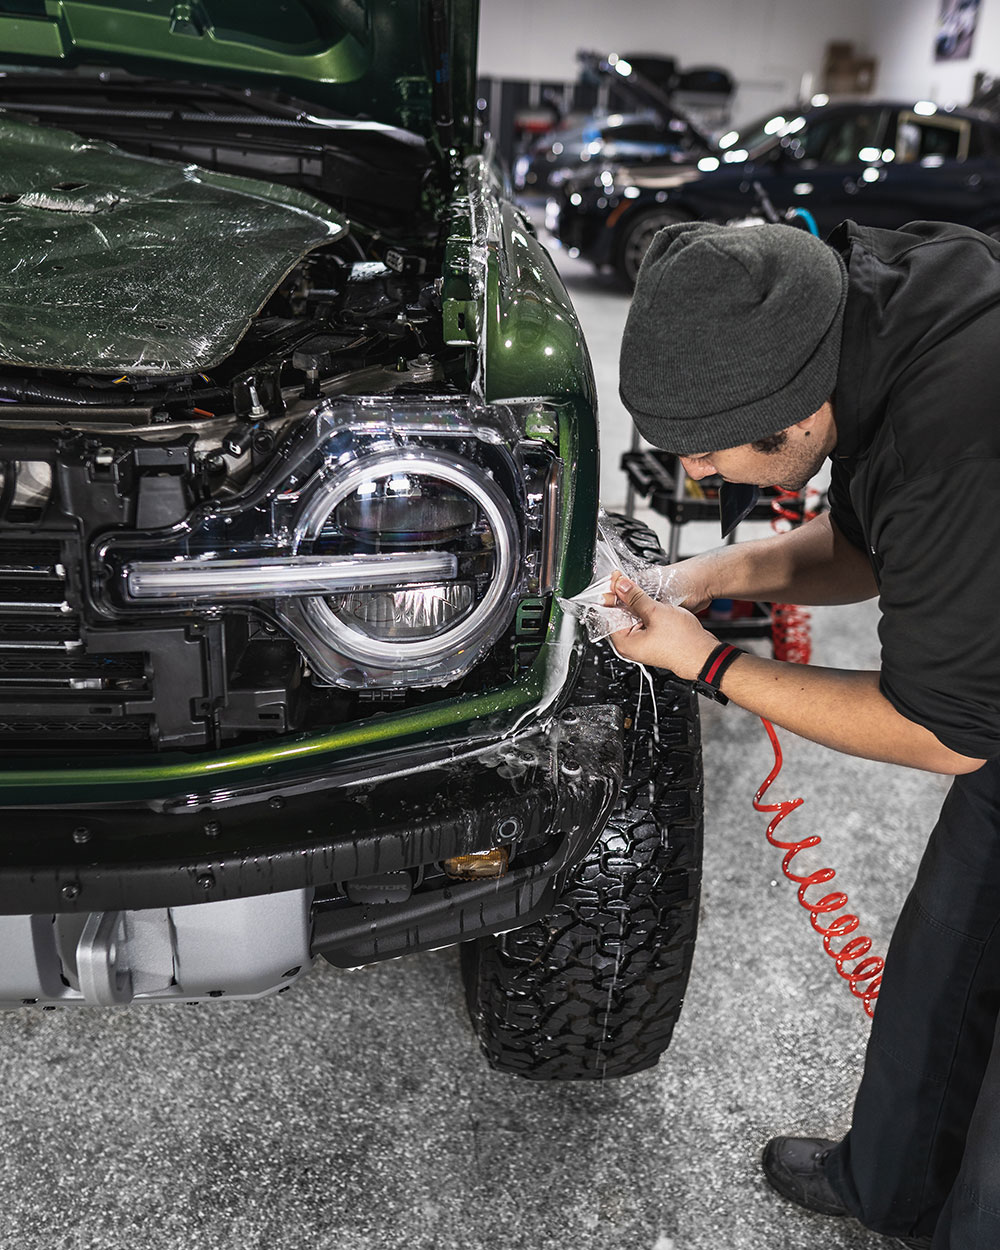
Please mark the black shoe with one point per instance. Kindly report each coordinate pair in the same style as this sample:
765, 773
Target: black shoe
794, 1166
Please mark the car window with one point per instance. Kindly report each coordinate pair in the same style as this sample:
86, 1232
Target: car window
931, 141
840, 138
635, 132
984, 141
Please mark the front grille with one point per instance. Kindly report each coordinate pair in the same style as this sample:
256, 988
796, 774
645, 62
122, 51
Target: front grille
54, 690
19, 633
70, 666
78, 729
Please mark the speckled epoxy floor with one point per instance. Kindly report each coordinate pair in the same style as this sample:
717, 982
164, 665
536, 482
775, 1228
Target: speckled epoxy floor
355, 1113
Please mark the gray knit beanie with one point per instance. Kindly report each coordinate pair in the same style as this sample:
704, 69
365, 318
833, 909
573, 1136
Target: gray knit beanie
733, 334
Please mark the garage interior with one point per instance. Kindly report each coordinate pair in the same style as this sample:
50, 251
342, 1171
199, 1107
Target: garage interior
355, 1111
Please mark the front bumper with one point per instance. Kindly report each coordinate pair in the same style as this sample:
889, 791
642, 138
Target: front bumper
544, 794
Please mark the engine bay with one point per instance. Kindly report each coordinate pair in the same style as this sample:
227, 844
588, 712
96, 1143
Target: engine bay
154, 560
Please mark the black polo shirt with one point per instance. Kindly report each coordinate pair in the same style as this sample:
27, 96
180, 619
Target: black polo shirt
916, 469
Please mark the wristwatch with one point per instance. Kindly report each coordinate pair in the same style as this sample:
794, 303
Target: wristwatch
707, 681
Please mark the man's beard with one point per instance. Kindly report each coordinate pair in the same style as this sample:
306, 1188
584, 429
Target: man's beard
803, 468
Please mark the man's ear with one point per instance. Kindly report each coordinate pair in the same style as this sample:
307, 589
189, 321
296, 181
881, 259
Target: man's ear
817, 421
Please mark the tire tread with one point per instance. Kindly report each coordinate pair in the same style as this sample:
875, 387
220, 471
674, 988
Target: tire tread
595, 989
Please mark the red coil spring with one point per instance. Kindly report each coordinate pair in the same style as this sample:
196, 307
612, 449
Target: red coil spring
869, 969
790, 636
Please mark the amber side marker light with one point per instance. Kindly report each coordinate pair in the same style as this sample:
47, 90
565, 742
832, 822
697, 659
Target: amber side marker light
481, 864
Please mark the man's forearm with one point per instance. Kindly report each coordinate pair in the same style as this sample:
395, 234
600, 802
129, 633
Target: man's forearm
813, 564
840, 709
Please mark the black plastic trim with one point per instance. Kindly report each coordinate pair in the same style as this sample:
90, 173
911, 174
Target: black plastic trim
350, 936
319, 829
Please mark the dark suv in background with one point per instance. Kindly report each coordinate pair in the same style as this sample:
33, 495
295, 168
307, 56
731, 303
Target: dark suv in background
880, 163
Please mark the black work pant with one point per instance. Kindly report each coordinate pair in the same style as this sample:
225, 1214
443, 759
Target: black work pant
923, 1153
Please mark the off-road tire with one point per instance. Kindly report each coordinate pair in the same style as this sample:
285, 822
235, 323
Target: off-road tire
595, 988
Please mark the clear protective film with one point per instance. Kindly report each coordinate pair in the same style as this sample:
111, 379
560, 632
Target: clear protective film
124, 264
665, 583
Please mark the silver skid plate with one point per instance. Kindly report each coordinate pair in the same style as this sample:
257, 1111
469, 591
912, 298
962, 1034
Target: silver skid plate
238, 948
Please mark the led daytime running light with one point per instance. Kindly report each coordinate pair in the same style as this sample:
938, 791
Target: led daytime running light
281, 577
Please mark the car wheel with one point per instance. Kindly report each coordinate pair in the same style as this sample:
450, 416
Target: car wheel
636, 238
594, 989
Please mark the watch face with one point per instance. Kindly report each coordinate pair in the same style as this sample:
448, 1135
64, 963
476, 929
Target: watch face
736, 502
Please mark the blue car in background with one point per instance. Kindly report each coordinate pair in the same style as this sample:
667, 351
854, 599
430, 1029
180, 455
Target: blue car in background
624, 137
649, 124
878, 162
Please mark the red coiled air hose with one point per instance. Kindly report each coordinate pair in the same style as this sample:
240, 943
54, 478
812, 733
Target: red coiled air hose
791, 641
870, 969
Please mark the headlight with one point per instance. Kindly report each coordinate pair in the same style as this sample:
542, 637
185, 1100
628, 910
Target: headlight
418, 498
393, 543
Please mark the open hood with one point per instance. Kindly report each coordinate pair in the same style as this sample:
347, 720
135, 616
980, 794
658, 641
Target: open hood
403, 63
642, 91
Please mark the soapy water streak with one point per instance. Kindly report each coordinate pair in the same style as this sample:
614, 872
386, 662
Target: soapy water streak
868, 969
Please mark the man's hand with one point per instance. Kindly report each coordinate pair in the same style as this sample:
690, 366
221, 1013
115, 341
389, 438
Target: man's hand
843, 710
665, 637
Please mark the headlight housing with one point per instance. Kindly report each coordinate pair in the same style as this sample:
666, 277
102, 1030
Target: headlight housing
446, 503
393, 543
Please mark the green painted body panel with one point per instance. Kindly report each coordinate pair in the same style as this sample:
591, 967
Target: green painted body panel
118, 263
532, 345
503, 297
353, 57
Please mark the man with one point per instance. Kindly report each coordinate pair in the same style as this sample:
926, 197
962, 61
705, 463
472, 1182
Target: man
755, 353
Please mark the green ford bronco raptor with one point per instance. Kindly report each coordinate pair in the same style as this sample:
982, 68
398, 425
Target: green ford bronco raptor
298, 448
